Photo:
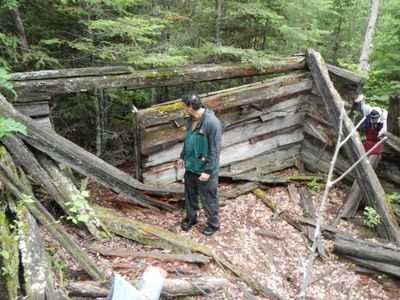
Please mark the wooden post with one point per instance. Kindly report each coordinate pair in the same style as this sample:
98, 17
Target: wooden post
137, 144
369, 183
394, 116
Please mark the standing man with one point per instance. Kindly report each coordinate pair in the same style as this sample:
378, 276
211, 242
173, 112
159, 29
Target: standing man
200, 157
375, 124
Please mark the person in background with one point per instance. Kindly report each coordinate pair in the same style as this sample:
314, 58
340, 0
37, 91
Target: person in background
200, 158
375, 124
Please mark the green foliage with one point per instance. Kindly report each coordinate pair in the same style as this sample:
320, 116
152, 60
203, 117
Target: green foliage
258, 59
9, 126
74, 207
158, 61
384, 78
371, 217
5, 254
316, 186
27, 199
393, 198
5, 84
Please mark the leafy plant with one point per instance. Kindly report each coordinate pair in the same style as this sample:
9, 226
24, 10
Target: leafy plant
393, 198
5, 254
7, 270
75, 206
371, 217
9, 126
26, 198
316, 186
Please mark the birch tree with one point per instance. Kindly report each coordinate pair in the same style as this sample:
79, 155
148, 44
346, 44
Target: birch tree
364, 66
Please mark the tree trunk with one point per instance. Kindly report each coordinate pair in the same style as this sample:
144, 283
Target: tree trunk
364, 66
218, 4
368, 181
20, 31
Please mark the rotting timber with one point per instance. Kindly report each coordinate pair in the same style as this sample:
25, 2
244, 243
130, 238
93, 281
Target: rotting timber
268, 126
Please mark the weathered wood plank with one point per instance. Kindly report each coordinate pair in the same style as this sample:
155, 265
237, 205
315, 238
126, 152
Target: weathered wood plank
261, 94
271, 161
366, 177
161, 175
233, 153
146, 78
40, 108
317, 159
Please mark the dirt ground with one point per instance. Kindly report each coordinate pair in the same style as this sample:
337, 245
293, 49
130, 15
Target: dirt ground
276, 263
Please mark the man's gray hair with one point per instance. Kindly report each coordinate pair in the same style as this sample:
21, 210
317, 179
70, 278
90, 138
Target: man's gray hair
192, 99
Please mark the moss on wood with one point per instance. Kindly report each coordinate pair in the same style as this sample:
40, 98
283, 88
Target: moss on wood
9, 259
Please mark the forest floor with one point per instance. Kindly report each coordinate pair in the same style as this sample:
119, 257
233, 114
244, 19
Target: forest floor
276, 263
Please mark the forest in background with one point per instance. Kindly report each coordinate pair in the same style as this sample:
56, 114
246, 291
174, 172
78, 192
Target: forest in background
144, 34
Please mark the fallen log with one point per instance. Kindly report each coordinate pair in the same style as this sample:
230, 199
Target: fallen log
190, 286
9, 258
367, 250
373, 265
47, 176
368, 181
21, 191
36, 266
155, 255
84, 213
83, 161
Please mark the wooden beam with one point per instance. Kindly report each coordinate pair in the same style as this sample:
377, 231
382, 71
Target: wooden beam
76, 80
369, 183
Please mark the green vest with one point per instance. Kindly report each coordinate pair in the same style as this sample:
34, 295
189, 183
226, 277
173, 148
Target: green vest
196, 152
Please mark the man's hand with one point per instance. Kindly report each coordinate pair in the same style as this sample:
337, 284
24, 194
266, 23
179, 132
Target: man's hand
204, 177
181, 163
381, 132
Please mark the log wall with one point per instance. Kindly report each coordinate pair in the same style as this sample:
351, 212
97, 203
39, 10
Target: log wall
262, 128
320, 140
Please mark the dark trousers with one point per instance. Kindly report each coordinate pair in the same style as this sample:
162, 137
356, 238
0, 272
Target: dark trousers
207, 190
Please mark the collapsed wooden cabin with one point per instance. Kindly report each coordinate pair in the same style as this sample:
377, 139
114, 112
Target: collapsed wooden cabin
289, 120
